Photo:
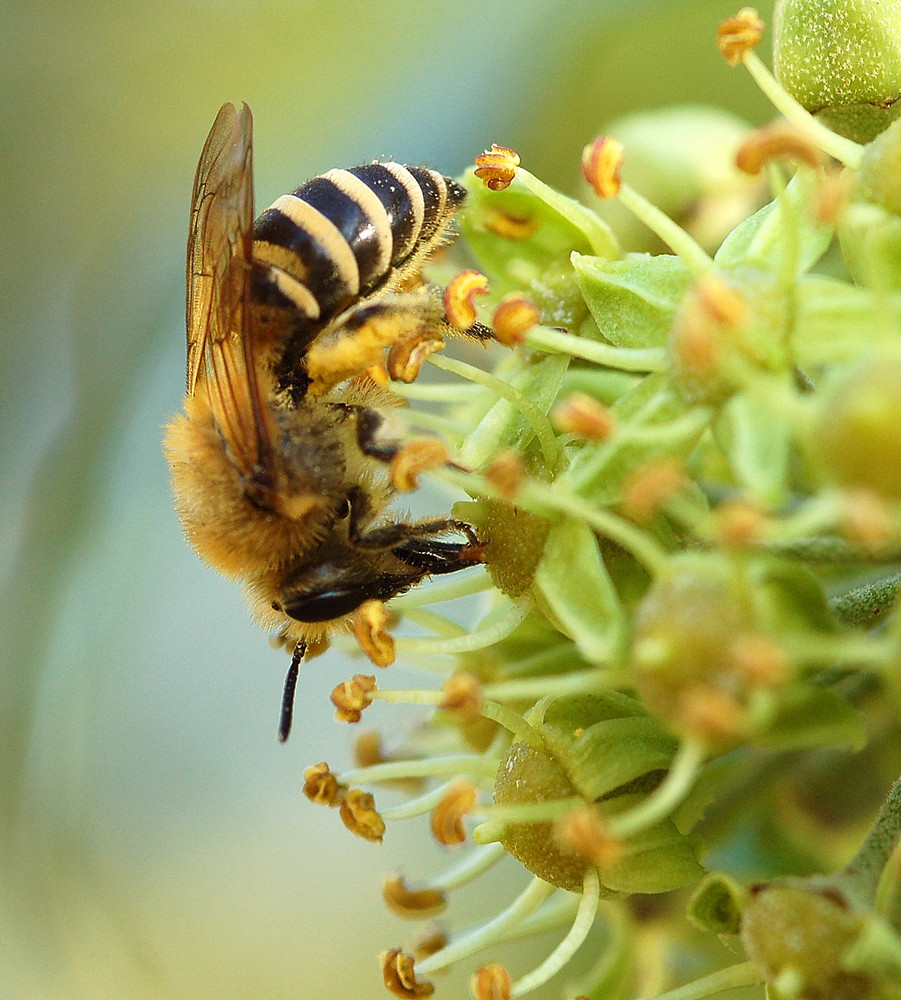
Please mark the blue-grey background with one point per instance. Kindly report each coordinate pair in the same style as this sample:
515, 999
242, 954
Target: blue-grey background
155, 841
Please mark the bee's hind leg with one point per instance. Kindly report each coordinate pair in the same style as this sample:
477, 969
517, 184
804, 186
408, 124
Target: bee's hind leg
360, 337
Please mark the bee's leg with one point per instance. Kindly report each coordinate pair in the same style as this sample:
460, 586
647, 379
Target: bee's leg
400, 535
359, 337
433, 557
287, 712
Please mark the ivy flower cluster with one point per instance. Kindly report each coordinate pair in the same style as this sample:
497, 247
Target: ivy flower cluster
678, 704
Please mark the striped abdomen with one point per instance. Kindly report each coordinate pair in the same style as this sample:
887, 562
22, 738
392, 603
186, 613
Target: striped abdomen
337, 237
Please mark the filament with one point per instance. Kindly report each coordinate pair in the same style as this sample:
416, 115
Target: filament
575, 938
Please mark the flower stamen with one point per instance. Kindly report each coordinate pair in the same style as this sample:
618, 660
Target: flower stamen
371, 631
446, 821
400, 976
351, 697
739, 34
497, 167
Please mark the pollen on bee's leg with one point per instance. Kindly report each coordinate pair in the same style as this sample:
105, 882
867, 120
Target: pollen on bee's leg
371, 631
378, 374
415, 458
459, 296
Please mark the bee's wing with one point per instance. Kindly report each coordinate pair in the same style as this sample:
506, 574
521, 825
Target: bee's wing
220, 244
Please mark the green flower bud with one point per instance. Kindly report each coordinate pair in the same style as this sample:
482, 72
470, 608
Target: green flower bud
515, 542
871, 245
686, 654
729, 327
879, 173
607, 751
798, 938
841, 59
870, 227
855, 440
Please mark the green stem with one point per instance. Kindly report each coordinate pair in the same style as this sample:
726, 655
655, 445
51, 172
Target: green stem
675, 237
534, 416
844, 150
527, 902
866, 867
560, 956
862, 604
627, 359
743, 974
469, 642
599, 235
472, 765
542, 499
473, 864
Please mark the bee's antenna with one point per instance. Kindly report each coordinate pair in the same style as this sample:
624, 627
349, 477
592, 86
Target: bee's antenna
287, 713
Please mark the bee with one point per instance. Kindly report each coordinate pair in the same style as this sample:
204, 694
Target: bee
279, 463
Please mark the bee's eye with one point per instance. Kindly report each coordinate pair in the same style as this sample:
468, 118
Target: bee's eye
344, 509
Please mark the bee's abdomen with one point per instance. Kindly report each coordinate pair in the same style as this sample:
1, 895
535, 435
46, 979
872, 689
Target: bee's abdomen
340, 234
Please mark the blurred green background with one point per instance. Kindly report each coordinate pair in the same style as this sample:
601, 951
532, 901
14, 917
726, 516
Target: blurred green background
155, 840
